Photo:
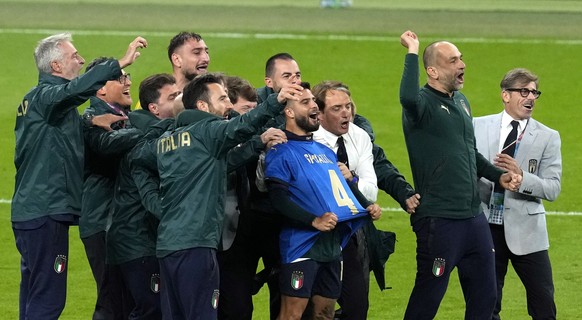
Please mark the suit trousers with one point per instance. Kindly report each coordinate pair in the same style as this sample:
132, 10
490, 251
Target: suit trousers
355, 281
535, 272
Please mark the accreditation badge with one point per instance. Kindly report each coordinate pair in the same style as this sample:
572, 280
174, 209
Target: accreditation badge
438, 267
532, 165
465, 107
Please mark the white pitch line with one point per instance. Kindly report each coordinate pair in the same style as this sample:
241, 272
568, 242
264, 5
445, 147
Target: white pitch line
288, 36
551, 213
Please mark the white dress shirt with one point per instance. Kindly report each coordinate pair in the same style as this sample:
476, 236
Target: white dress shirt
506, 128
360, 156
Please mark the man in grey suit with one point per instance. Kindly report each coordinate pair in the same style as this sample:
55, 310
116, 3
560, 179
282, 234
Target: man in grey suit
517, 219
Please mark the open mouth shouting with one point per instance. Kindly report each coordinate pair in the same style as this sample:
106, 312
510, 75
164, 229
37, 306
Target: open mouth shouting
202, 68
461, 77
313, 115
529, 104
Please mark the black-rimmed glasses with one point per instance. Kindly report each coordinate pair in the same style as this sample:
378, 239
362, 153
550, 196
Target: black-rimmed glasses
124, 78
524, 92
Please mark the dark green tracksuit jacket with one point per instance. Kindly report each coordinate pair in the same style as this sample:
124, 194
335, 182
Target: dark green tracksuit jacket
192, 163
103, 152
49, 151
390, 180
441, 146
136, 203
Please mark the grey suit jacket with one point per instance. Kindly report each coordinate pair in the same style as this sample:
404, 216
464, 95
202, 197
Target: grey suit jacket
538, 155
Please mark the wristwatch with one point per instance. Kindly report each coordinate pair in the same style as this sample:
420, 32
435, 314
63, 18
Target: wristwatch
88, 119
355, 177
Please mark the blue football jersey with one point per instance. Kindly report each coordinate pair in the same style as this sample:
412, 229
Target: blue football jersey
316, 184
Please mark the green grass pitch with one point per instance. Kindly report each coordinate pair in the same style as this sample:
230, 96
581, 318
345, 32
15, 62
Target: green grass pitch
359, 46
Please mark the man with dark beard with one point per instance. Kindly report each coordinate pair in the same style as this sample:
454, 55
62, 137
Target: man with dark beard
322, 211
189, 56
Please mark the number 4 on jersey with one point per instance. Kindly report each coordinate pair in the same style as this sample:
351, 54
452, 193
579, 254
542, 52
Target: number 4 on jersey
339, 192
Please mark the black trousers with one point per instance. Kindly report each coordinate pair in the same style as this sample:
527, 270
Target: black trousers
535, 272
142, 279
355, 280
257, 237
443, 244
113, 299
190, 288
44, 253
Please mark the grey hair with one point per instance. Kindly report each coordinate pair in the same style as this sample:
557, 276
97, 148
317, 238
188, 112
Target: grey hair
48, 50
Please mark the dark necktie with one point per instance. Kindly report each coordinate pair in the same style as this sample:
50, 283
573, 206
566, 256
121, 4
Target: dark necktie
509, 146
342, 154
511, 141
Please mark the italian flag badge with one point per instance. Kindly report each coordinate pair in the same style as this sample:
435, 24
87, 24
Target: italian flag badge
438, 267
297, 280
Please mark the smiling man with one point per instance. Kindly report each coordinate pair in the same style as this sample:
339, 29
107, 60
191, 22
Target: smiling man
100, 171
192, 164
517, 218
307, 187
49, 159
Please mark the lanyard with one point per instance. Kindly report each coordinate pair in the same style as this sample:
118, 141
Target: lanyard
516, 141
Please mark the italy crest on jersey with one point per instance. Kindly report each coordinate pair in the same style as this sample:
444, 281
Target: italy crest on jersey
60, 263
297, 280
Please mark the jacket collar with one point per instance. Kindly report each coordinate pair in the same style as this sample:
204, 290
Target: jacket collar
291, 136
50, 79
188, 117
142, 119
439, 93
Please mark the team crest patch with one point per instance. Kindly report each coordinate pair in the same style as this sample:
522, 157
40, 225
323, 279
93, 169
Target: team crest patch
465, 107
438, 267
533, 165
155, 283
60, 263
215, 296
297, 280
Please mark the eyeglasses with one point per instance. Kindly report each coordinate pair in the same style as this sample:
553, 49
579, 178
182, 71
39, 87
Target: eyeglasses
524, 92
124, 78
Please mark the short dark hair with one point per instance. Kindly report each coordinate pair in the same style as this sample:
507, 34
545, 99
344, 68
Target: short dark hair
197, 89
97, 61
518, 76
321, 89
270, 65
239, 87
149, 88
179, 40
429, 55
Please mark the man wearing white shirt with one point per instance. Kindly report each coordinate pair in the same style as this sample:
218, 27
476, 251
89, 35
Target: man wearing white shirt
515, 142
335, 105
